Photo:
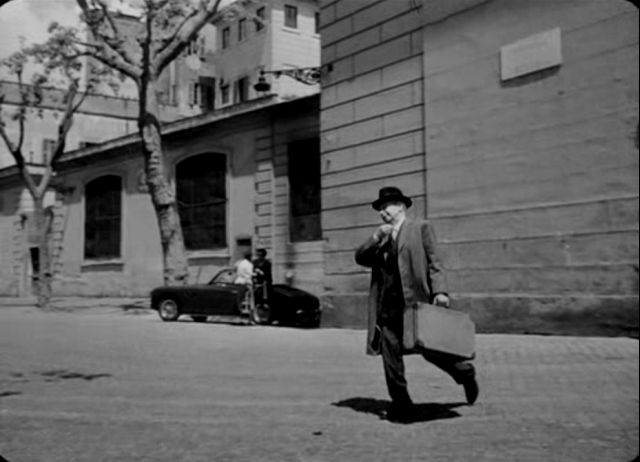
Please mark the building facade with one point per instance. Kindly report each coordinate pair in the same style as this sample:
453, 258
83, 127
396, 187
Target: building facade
217, 69
236, 190
287, 37
514, 127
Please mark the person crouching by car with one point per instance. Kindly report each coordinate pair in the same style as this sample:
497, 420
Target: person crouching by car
405, 269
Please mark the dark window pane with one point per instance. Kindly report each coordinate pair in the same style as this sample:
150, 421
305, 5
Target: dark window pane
260, 22
291, 16
304, 190
103, 197
202, 201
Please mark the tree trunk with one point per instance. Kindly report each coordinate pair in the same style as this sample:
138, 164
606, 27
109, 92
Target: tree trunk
43, 276
175, 266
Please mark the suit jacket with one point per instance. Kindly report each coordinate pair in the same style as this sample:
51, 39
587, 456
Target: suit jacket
421, 273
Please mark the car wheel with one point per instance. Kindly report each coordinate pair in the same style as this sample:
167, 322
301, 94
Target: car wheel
261, 314
199, 318
168, 310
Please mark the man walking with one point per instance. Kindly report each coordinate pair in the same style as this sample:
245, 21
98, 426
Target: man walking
405, 269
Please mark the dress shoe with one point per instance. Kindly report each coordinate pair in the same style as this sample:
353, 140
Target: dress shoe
471, 390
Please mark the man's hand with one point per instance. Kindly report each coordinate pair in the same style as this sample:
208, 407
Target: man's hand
382, 232
441, 300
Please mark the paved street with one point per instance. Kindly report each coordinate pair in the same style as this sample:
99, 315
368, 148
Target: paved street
103, 384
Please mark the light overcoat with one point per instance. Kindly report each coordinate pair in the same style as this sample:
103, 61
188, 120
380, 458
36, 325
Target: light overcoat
421, 273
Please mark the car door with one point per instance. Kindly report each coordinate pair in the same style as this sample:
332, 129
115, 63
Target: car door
221, 294
221, 299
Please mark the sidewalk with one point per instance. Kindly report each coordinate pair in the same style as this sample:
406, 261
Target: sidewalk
73, 303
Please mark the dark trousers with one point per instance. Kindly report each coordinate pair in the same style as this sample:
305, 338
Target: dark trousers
394, 373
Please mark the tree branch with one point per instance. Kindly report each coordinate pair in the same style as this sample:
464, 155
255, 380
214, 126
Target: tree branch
109, 59
185, 32
23, 107
63, 129
111, 49
167, 41
7, 141
16, 153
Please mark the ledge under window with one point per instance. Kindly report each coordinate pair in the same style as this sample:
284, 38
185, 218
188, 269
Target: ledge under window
218, 257
94, 266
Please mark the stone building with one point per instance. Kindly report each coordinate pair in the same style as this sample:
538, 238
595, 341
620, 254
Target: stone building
514, 127
233, 174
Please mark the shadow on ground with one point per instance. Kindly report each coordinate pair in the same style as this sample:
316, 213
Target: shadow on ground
423, 412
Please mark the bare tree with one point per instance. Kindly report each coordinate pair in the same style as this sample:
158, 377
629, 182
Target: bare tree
55, 83
166, 28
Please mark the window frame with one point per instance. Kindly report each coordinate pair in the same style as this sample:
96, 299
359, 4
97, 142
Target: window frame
297, 220
287, 16
260, 13
93, 198
48, 149
225, 41
193, 230
241, 90
242, 29
225, 94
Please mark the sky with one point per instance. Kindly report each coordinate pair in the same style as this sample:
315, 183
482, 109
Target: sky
30, 18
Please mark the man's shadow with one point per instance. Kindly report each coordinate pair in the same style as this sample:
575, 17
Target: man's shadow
423, 412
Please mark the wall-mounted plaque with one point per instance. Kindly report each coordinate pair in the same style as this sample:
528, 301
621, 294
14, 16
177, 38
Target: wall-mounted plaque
531, 54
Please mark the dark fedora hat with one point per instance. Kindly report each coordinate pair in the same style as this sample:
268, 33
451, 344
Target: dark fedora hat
390, 194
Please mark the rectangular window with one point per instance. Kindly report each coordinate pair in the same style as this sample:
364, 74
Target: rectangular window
201, 47
195, 47
103, 211
207, 91
173, 95
242, 29
260, 19
226, 36
241, 90
195, 96
224, 94
291, 16
48, 147
316, 23
304, 190
202, 201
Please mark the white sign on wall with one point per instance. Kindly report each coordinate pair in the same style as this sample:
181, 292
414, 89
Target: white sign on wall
531, 54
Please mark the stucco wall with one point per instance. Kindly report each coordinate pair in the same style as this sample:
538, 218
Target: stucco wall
532, 184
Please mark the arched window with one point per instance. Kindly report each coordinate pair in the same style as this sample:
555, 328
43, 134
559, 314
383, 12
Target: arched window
202, 201
103, 213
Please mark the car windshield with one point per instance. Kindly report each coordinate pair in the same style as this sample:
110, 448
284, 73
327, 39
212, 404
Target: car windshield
226, 276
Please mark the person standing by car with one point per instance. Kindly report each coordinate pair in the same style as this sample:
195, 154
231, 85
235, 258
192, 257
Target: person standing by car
262, 271
405, 269
244, 277
244, 270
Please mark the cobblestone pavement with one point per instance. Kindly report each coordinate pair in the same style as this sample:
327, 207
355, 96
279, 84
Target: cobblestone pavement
108, 384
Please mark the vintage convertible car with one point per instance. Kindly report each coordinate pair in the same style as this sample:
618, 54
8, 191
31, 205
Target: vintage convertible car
221, 297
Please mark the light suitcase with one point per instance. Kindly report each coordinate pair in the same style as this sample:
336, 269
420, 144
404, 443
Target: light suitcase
439, 329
